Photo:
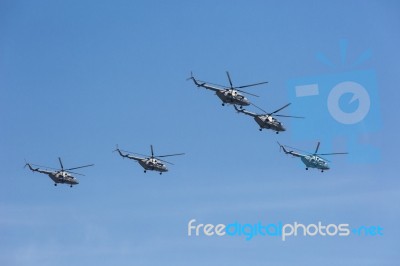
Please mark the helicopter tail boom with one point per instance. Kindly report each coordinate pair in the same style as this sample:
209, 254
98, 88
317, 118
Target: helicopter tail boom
290, 152
244, 111
281, 147
120, 153
203, 84
196, 82
30, 167
37, 169
127, 155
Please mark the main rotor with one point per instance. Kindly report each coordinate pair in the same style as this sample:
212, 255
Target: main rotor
153, 156
63, 170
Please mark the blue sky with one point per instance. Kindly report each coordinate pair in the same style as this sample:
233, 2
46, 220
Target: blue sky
79, 77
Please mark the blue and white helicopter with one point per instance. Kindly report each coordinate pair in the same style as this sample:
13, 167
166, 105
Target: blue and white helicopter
311, 160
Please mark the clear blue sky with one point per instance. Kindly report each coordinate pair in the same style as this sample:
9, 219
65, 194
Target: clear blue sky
78, 77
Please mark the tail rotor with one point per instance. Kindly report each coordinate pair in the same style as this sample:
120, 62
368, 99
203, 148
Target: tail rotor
116, 148
237, 109
191, 76
280, 146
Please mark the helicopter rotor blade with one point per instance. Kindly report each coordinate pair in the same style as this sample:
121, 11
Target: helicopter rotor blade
75, 173
255, 95
316, 150
169, 155
274, 112
164, 161
251, 85
229, 78
152, 152
230, 83
290, 116
324, 158
62, 167
259, 108
73, 168
333, 153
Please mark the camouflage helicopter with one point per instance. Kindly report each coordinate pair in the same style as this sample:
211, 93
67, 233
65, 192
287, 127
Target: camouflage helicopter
151, 163
228, 94
59, 176
311, 160
267, 120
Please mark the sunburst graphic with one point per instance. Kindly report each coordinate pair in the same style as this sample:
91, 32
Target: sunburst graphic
342, 104
362, 58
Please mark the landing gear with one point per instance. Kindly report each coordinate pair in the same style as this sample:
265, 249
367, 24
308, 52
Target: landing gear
223, 104
277, 132
260, 129
144, 171
160, 173
241, 107
322, 171
306, 168
70, 186
55, 184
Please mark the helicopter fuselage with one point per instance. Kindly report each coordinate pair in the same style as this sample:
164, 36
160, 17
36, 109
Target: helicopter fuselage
231, 96
153, 165
268, 122
313, 161
63, 178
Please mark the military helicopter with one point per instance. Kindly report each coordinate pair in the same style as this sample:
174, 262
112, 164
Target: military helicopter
59, 176
151, 163
312, 160
228, 95
266, 120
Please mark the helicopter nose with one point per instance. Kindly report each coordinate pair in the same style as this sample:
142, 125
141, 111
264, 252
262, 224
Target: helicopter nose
246, 102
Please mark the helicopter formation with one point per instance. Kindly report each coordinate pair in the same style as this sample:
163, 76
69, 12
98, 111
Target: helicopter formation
233, 95
229, 95
65, 176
